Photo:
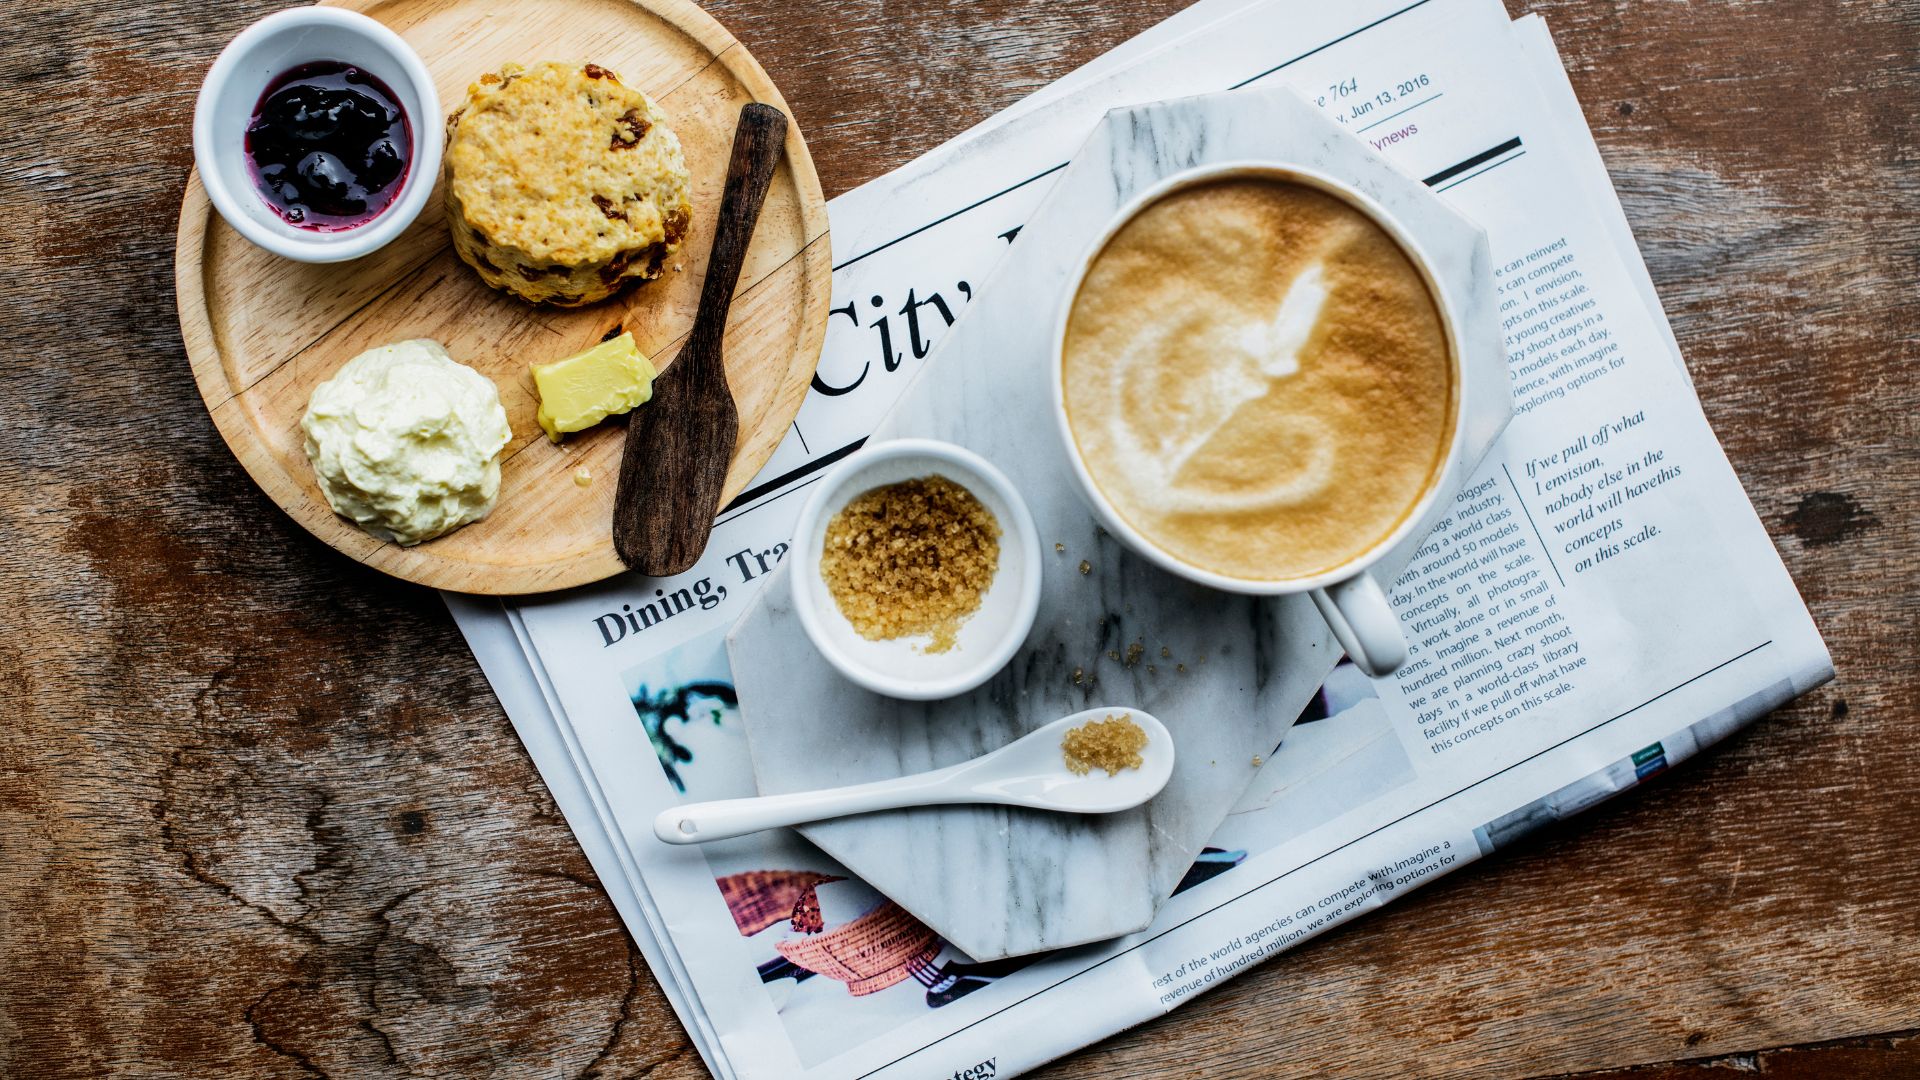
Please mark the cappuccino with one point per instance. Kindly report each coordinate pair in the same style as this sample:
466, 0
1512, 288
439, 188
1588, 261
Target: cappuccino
1258, 379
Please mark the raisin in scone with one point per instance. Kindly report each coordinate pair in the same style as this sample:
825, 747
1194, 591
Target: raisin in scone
563, 183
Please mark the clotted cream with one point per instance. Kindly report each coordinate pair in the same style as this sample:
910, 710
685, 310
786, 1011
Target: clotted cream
406, 441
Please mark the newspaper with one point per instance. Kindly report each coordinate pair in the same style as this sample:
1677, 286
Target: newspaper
1600, 605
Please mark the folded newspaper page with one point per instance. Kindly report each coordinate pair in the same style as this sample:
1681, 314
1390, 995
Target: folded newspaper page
1600, 604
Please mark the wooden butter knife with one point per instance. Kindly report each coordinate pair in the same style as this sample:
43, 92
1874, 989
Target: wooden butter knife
680, 444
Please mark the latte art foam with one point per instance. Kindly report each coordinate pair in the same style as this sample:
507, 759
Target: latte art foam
1258, 378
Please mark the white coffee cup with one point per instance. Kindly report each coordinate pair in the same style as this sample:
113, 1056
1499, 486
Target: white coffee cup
1349, 596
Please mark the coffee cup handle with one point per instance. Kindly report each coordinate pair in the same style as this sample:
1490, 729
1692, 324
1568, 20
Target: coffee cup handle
1365, 624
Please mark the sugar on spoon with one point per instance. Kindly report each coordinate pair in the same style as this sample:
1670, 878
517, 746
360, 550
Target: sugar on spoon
1031, 771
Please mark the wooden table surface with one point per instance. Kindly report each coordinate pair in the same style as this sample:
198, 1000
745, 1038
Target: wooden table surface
260, 813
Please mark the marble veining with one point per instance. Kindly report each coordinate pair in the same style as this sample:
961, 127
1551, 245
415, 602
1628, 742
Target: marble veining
1227, 674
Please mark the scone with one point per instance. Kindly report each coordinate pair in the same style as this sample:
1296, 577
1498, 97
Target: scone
563, 183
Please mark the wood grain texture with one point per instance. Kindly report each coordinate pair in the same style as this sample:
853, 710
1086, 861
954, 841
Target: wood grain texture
683, 443
261, 331
260, 814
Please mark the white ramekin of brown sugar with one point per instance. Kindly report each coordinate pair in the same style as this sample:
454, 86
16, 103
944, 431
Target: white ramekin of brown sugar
883, 546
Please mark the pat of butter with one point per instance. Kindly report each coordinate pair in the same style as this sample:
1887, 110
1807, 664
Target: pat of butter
584, 389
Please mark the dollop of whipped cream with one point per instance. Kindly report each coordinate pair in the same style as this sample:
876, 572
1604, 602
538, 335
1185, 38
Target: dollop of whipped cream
406, 441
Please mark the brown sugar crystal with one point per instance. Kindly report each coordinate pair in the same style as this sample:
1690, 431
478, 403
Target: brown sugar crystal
911, 558
1111, 744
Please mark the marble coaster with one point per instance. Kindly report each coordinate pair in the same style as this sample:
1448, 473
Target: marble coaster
1227, 674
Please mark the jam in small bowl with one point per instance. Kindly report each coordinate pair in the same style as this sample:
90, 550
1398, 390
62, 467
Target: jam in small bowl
314, 134
329, 146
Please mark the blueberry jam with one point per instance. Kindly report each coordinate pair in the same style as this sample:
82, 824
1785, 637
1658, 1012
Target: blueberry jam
328, 146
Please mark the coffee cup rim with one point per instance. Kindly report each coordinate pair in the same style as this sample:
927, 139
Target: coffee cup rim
1110, 517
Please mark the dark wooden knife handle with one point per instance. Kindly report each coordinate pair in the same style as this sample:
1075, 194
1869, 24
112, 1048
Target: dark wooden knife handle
757, 144
679, 446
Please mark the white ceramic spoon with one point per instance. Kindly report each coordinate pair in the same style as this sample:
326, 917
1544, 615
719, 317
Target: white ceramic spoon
1030, 771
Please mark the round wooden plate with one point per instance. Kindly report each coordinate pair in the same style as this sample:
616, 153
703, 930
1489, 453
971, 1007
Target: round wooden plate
262, 331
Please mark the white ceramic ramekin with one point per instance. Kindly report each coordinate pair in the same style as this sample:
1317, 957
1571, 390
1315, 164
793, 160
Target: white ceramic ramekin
232, 90
987, 640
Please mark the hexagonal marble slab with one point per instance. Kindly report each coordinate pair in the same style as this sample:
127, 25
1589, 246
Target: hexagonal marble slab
1228, 674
